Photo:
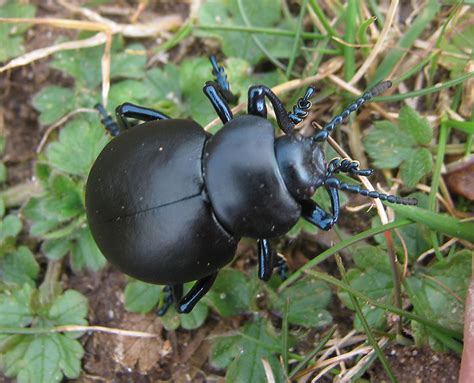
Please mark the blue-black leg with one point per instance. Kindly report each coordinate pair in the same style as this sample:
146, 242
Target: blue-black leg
212, 91
286, 121
221, 80
314, 214
266, 257
108, 121
200, 288
268, 260
172, 294
128, 110
347, 166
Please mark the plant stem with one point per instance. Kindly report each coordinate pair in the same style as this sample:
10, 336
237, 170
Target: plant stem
17, 195
266, 31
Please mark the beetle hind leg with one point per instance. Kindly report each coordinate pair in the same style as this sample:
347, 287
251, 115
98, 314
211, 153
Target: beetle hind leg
172, 293
199, 289
128, 110
268, 260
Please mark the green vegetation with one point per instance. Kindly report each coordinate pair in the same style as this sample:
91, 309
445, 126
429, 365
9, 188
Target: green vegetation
45, 236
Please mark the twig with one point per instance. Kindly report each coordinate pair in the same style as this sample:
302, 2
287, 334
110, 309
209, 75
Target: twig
75, 328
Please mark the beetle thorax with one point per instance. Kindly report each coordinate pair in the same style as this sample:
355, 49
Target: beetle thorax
302, 164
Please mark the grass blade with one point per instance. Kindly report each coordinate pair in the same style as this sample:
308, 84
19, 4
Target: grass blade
363, 321
407, 40
296, 43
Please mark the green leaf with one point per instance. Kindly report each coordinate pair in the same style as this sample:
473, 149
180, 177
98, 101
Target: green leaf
70, 308
55, 249
85, 253
19, 267
247, 365
15, 307
415, 167
2, 209
171, 320
132, 91
53, 102
3, 172
10, 34
386, 146
439, 292
193, 74
223, 350
80, 142
129, 63
3, 143
195, 318
164, 90
230, 294
237, 44
418, 127
10, 226
307, 302
141, 297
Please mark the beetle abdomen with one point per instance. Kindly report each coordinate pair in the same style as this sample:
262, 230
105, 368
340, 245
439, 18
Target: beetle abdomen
243, 180
145, 205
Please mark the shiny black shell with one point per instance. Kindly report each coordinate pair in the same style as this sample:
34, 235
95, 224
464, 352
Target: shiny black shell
167, 203
147, 208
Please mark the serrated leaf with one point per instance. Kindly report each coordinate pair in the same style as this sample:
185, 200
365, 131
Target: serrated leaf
55, 249
132, 91
438, 292
367, 256
386, 146
223, 350
415, 167
141, 297
10, 226
53, 102
80, 142
238, 44
19, 267
307, 302
15, 307
171, 320
374, 316
70, 308
85, 253
195, 318
129, 63
418, 127
193, 74
230, 293
10, 34
247, 365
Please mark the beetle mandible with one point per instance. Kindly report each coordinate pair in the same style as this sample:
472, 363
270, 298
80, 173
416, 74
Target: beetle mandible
168, 202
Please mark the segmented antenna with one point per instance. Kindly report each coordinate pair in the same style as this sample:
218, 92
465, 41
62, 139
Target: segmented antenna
108, 121
300, 110
336, 184
338, 120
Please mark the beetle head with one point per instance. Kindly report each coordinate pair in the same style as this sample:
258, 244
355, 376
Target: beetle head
302, 164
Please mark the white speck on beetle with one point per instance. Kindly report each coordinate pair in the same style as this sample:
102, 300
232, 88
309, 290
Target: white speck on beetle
160, 148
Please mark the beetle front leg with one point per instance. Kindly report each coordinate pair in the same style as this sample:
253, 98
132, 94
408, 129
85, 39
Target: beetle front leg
172, 293
200, 288
213, 93
286, 121
314, 214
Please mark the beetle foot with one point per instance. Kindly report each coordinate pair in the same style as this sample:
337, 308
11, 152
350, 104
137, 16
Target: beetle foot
168, 301
282, 267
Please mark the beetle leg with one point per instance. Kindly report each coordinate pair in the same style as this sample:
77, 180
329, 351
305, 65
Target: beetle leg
266, 256
221, 80
107, 120
128, 110
282, 267
286, 121
314, 214
200, 288
218, 101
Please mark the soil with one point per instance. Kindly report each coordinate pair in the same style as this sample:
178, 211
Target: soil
178, 356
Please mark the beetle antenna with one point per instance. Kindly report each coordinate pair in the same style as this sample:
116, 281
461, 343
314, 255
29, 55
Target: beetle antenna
334, 183
339, 119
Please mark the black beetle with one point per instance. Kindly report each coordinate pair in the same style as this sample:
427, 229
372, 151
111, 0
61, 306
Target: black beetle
167, 202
